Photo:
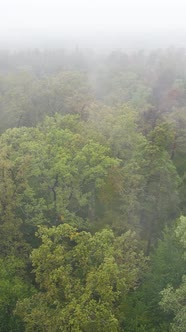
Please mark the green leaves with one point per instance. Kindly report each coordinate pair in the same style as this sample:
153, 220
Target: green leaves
13, 286
49, 175
81, 277
173, 300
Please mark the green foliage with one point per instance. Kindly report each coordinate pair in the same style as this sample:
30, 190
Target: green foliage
102, 150
141, 307
13, 286
25, 100
173, 300
81, 277
160, 199
117, 87
50, 174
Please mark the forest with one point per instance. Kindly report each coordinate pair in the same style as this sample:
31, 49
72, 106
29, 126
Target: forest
93, 191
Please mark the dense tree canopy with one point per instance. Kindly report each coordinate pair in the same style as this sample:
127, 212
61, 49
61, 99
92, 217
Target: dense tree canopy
81, 278
92, 187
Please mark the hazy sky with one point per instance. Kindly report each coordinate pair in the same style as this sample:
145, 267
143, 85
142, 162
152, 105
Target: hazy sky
73, 17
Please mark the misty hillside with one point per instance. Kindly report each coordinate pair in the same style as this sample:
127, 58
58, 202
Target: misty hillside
92, 190
92, 166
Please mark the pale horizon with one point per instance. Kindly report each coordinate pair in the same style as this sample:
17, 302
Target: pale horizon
42, 23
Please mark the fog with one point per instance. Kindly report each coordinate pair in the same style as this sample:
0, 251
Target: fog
97, 24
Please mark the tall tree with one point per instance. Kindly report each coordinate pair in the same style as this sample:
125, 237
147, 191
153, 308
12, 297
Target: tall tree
81, 277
